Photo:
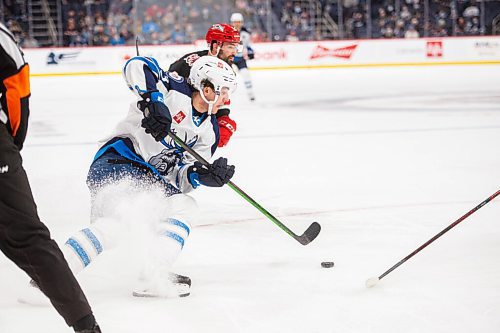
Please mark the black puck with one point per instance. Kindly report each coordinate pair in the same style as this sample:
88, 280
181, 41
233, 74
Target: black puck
327, 264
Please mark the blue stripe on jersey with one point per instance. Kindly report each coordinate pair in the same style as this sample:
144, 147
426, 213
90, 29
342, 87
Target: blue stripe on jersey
215, 126
175, 237
178, 223
79, 251
93, 239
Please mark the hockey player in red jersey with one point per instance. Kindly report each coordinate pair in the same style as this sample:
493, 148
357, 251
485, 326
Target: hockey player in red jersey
223, 42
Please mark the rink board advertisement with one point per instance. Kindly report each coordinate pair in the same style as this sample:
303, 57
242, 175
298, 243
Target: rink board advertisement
282, 55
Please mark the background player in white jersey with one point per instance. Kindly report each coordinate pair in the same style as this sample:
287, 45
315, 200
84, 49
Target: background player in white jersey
246, 53
138, 160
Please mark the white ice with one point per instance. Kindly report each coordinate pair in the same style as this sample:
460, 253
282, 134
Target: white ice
382, 158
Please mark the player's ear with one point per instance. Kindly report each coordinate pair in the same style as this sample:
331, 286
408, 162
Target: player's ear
207, 91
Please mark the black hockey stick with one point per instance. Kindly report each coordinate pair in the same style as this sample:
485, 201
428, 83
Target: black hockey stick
374, 280
308, 236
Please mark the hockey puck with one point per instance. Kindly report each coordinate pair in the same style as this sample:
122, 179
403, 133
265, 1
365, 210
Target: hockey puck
327, 264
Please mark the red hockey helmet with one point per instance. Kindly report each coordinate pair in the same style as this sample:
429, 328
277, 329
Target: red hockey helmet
221, 32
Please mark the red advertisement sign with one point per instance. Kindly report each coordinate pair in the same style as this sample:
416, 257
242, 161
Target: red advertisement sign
434, 49
342, 52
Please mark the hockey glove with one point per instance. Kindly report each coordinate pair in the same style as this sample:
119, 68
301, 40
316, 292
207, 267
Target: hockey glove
250, 53
227, 127
215, 175
157, 119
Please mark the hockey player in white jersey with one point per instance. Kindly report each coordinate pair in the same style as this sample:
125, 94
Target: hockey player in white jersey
246, 53
139, 157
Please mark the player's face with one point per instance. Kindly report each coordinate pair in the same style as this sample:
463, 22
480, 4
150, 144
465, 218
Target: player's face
237, 25
228, 51
220, 99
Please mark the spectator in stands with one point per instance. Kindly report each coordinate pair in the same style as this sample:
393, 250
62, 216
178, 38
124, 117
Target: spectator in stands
116, 38
178, 36
100, 37
71, 33
472, 27
460, 28
162, 22
472, 10
149, 26
411, 32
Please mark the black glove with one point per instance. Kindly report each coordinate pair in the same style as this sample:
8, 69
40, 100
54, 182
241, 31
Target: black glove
157, 119
215, 175
250, 53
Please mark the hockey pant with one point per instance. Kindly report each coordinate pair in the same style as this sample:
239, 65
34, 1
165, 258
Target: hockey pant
241, 63
128, 200
26, 241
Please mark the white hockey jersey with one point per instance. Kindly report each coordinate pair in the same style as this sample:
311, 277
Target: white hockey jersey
245, 39
198, 130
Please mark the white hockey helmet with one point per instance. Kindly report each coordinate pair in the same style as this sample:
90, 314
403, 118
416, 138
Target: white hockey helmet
236, 17
215, 70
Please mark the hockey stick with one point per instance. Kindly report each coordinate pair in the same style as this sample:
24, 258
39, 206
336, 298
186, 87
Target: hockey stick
308, 236
374, 280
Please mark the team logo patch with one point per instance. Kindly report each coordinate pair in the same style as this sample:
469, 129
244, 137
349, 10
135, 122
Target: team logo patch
191, 59
218, 27
179, 117
220, 65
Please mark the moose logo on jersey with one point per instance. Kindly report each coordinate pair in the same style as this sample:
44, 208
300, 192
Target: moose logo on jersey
165, 161
179, 117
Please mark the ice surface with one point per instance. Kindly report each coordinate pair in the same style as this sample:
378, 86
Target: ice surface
382, 158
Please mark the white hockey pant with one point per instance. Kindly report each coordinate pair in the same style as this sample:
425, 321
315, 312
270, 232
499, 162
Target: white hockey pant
169, 235
245, 74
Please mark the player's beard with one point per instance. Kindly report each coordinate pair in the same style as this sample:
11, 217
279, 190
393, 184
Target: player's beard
229, 59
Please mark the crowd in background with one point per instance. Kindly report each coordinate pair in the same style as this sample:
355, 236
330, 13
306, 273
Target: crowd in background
115, 22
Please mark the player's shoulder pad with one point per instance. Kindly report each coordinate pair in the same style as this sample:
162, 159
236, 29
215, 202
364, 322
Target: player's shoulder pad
178, 83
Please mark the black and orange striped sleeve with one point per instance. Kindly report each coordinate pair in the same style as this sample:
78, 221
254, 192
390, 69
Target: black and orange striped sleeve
14, 87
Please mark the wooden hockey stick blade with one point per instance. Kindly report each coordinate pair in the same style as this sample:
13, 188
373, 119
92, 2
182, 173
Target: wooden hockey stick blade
310, 234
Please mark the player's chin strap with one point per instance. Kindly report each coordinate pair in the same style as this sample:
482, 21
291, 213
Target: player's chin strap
211, 103
216, 53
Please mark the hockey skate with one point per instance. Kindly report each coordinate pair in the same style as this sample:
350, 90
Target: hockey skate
176, 286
